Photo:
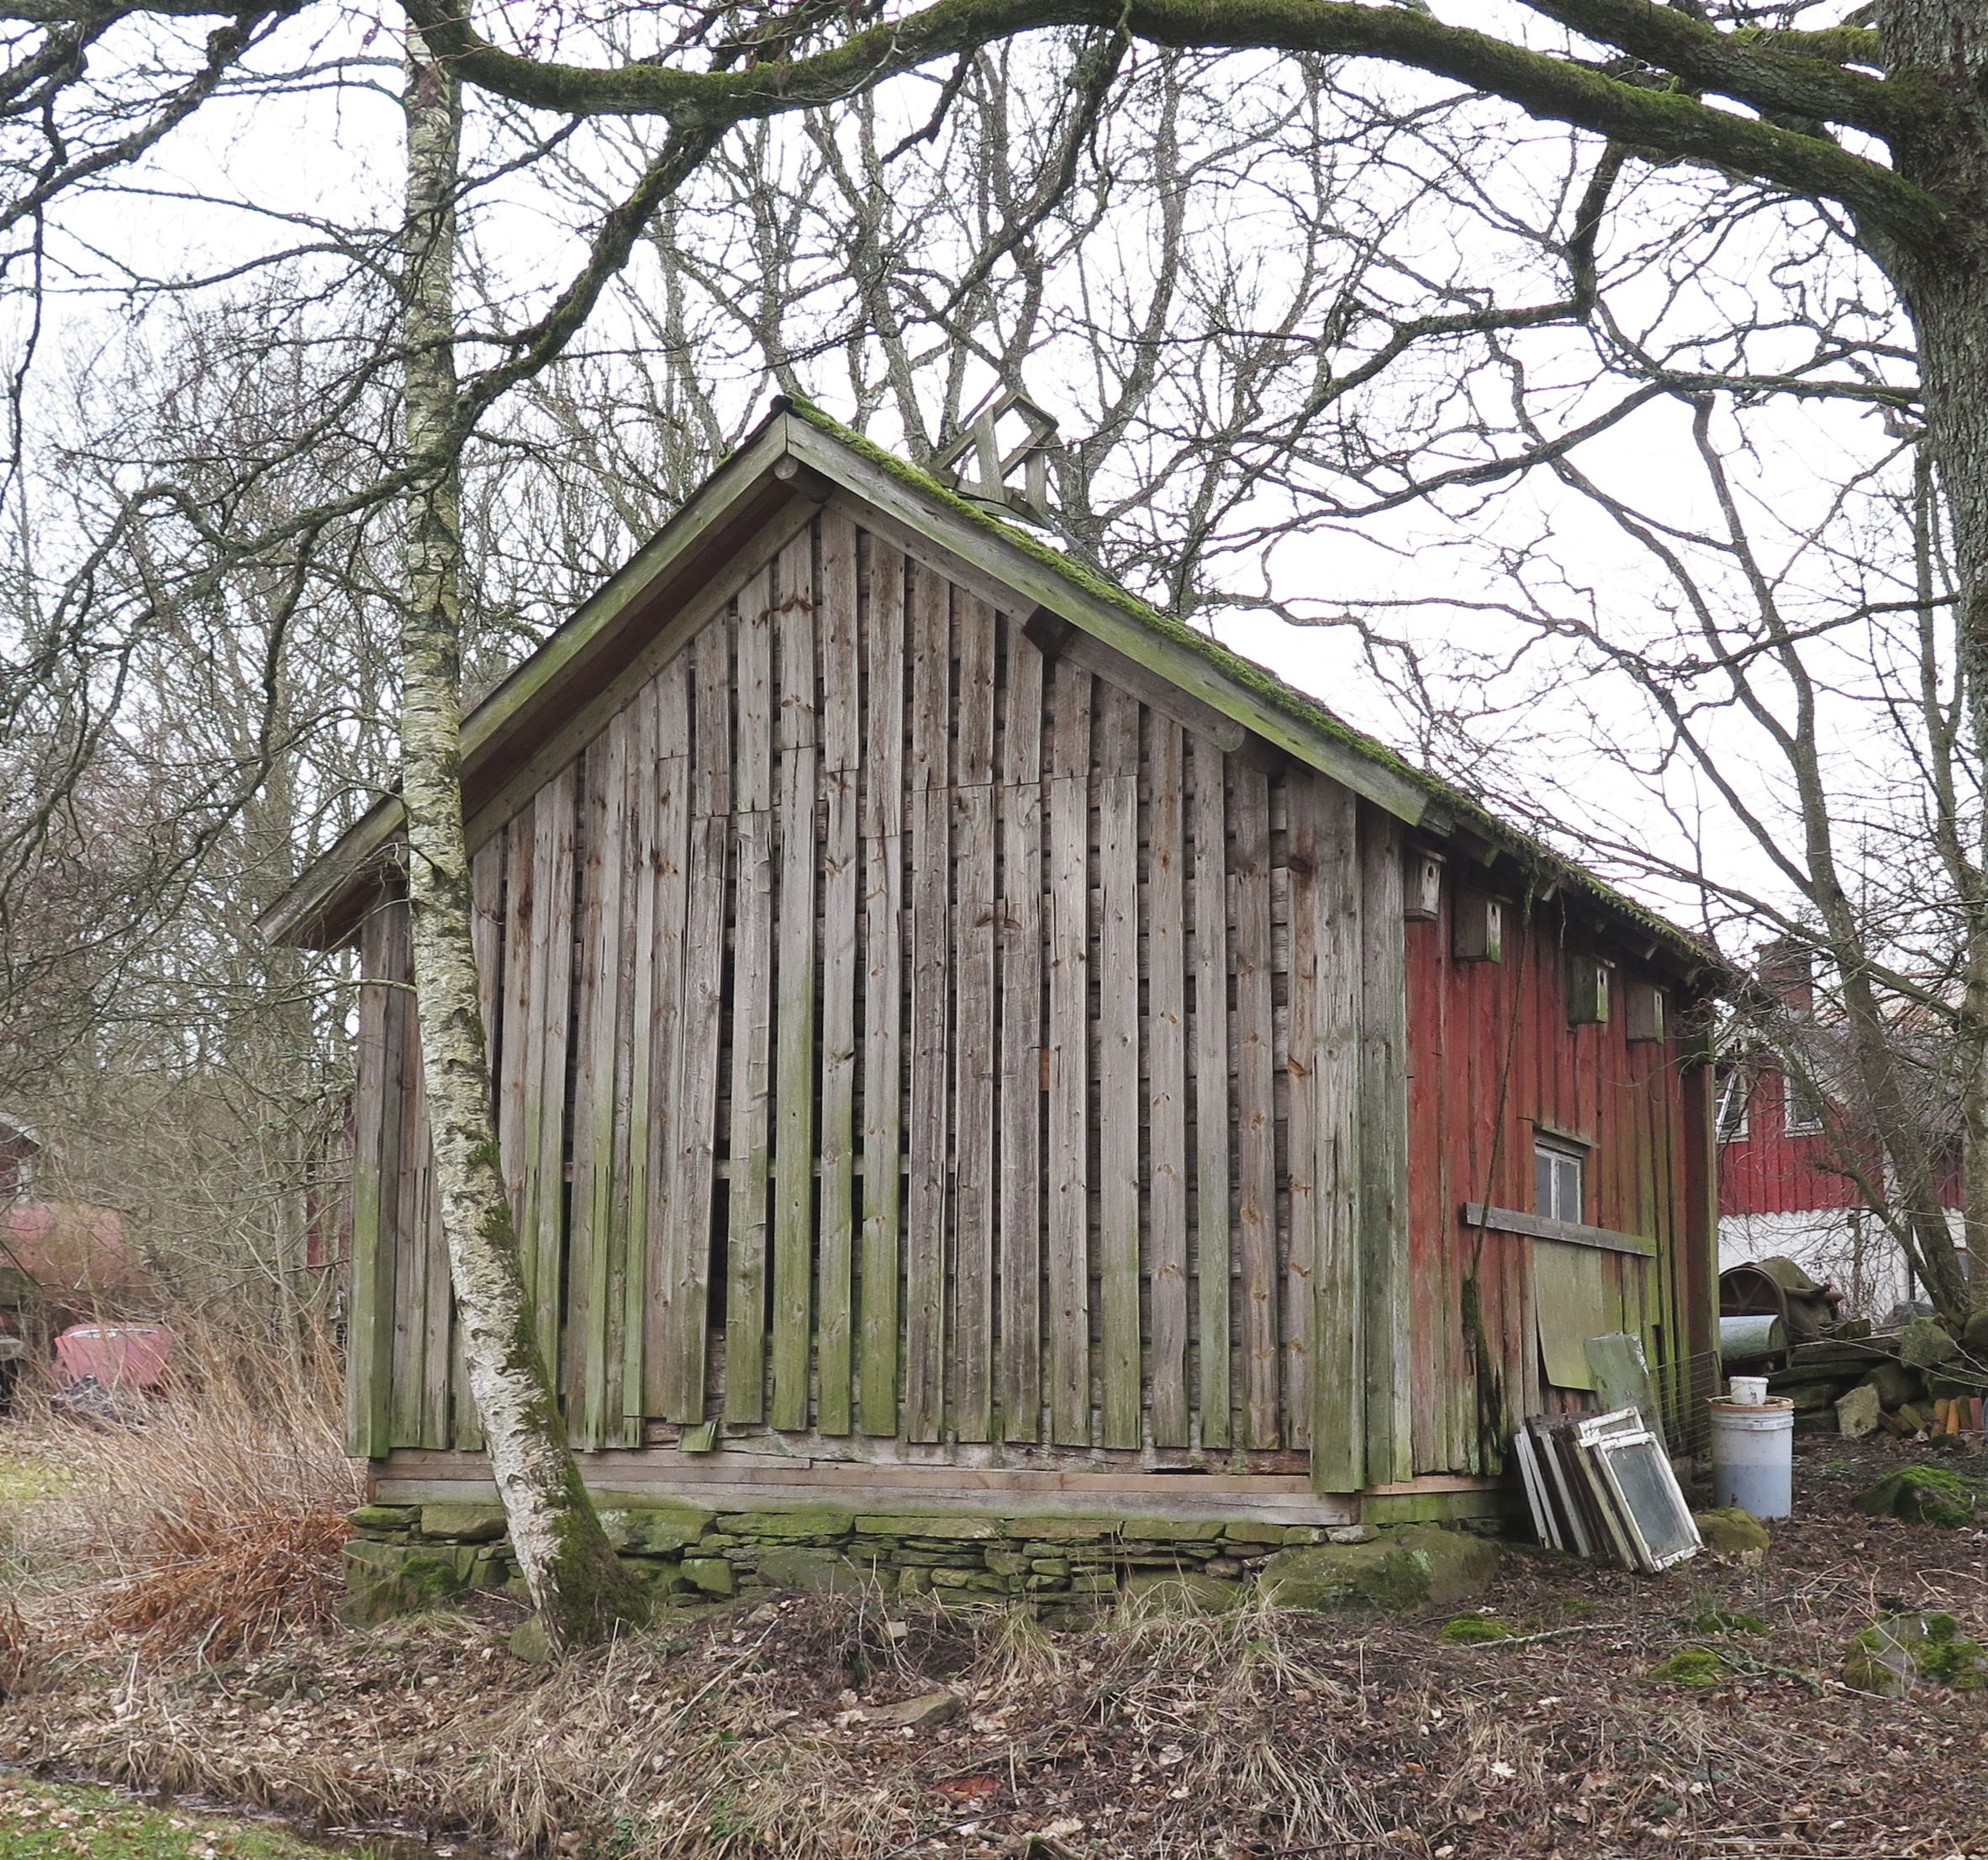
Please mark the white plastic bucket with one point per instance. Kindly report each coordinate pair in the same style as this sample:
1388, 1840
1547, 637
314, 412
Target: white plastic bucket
1753, 1456
1748, 1391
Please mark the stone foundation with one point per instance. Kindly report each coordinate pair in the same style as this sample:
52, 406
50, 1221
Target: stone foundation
403, 1557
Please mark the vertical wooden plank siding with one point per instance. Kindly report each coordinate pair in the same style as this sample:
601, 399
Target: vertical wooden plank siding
690, 1082
375, 1179
1383, 1150
652, 950
592, 1272
1256, 1211
1211, 1089
884, 893
1166, 1103
842, 761
1130, 1030
1338, 1377
1118, 1066
518, 1060
752, 1009
545, 1111
1019, 1210
925, 1301
1300, 1242
974, 1053
794, 1142
1068, 1227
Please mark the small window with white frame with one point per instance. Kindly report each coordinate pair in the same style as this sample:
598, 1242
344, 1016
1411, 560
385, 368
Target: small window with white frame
1557, 1185
1801, 1106
1736, 1093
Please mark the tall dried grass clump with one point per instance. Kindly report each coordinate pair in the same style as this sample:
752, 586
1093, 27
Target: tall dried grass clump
213, 1527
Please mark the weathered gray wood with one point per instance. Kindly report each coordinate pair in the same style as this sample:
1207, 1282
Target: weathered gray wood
1118, 1064
551, 969
883, 882
991, 553
590, 1276
841, 755
1166, 1104
1068, 1034
752, 1008
1338, 1383
1301, 1102
1205, 770
519, 1059
973, 1050
1571, 1233
1256, 1210
1384, 1151
925, 1301
642, 945
690, 1112
795, 1067
369, 1365
409, 1182
656, 878
1020, 1081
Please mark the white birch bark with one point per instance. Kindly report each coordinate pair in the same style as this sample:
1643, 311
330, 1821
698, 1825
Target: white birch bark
580, 1587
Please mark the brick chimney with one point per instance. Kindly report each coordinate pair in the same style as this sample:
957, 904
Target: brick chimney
1788, 972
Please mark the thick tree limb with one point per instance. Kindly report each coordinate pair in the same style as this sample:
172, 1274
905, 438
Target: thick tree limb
1552, 88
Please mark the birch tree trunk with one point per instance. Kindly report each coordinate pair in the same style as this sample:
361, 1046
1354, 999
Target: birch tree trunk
580, 1588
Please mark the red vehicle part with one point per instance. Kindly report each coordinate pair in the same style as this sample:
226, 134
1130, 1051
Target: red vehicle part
119, 1356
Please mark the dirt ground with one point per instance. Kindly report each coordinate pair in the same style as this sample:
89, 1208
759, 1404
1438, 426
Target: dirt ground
1255, 1735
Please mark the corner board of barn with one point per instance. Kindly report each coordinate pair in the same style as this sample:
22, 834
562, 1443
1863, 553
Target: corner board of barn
975, 1060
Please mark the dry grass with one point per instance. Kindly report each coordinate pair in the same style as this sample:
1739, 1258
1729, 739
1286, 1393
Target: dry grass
213, 1528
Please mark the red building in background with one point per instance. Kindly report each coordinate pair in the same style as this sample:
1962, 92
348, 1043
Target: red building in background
1786, 1143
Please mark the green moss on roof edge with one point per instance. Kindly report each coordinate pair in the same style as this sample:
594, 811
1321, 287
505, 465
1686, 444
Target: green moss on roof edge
1300, 706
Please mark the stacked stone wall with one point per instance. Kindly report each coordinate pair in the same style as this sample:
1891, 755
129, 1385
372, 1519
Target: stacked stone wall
406, 1556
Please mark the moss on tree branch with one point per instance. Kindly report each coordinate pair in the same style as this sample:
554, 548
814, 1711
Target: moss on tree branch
1552, 88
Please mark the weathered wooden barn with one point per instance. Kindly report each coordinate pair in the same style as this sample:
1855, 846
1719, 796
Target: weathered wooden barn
964, 1041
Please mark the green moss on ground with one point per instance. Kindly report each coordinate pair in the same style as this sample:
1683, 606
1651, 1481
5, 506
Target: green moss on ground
1472, 1631
1924, 1494
1722, 1620
25, 1482
1692, 1666
66, 1821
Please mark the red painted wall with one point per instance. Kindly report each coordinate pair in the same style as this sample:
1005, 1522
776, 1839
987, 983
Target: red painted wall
1772, 1170
1492, 1057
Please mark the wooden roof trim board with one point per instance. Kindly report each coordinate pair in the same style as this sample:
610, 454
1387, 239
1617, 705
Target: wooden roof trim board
798, 457
563, 661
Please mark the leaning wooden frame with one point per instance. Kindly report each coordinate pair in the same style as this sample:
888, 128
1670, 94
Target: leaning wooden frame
1602, 1486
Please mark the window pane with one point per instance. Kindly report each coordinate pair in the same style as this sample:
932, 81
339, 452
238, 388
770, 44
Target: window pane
1567, 1199
1543, 1182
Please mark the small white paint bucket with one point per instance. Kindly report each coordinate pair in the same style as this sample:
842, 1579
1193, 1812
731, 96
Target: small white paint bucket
1753, 1454
1749, 1391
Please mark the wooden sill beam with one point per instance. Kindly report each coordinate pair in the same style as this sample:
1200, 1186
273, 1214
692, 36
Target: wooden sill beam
1509, 1220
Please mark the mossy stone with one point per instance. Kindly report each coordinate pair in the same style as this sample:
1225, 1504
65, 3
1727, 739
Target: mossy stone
1419, 1567
1898, 1651
658, 1530
1691, 1666
1923, 1494
1729, 1531
946, 1529
383, 1517
1472, 1631
1895, 1384
383, 1580
1925, 1343
800, 1522
464, 1523
812, 1572
714, 1575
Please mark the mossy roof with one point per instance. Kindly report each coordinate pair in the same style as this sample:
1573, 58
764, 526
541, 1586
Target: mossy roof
1540, 860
